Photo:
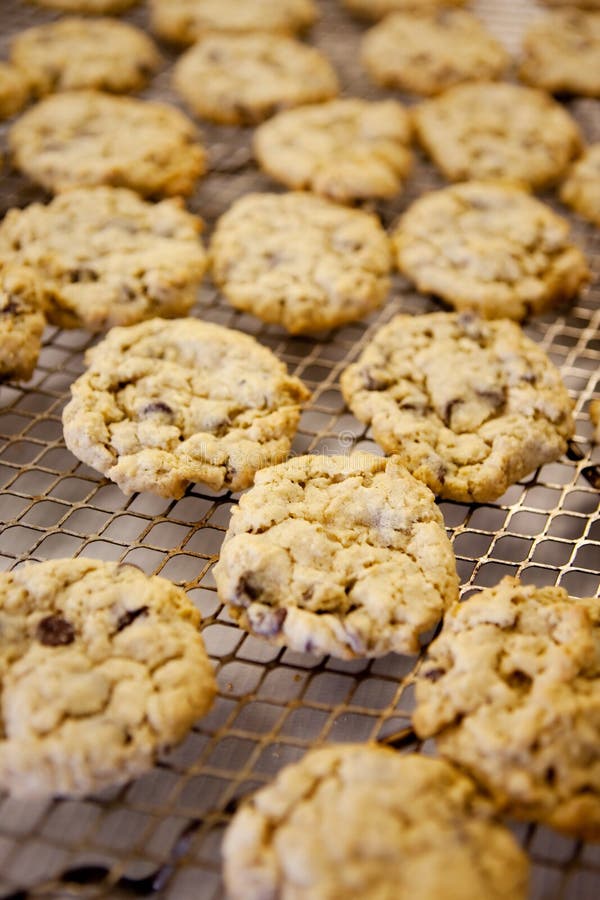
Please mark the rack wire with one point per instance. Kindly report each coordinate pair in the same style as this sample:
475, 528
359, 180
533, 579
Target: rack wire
160, 835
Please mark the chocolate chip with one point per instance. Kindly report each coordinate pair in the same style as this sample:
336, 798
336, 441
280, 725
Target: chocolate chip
54, 631
434, 674
448, 409
374, 381
157, 407
592, 476
13, 307
130, 616
494, 396
268, 622
246, 588
518, 680
82, 274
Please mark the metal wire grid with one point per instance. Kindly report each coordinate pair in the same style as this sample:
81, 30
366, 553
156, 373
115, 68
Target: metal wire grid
163, 831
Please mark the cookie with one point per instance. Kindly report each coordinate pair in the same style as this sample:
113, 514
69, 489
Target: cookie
14, 90
469, 406
21, 323
511, 691
88, 7
583, 4
73, 53
491, 248
344, 149
345, 555
166, 403
187, 21
363, 821
241, 79
101, 667
581, 188
377, 9
561, 53
300, 261
106, 257
490, 131
428, 53
594, 413
84, 138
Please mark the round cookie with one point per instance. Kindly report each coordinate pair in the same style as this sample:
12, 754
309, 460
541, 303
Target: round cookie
106, 257
187, 21
581, 188
101, 667
469, 406
243, 79
166, 403
84, 138
345, 555
14, 90
561, 53
490, 131
88, 7
21, 323
300, 261
363, 821
427, 54
344, 149
594, 414
511, 691
377, 9
489, 247
73, 53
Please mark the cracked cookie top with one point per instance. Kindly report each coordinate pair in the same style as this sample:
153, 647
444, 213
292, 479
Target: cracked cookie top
170, 402
187, 21
561, 53
497, 130
469, 406
300, 261
363, 821
22, 323
345, 149
511, 691
428, 53
86, 138
344, 555
105, 257
100, 668
491, 248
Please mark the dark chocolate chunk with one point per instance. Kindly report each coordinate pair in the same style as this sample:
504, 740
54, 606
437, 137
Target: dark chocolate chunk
268, 622
157, 406
130, 616
434, 674
54, 631
246, 588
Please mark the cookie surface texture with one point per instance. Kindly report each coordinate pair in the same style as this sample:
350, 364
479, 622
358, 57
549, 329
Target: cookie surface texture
364, 822
187, 21
469, 406
243, 79
511, 691
343, 149
427, 54
106, 257
561, 53
300, 261
490, 131
85, 138
74, 53
377, 9
344, 555
581, 188
491, 248
14, 90
169, 402
101, 667
88, 7
21, 323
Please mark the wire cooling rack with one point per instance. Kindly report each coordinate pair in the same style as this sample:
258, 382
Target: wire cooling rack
160, 835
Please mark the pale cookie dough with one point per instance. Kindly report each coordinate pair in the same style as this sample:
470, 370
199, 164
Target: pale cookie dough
363, 822
377, 9
584, 4
21, 323
73, 53
167, 403
581, 188
489, 247
243, 79
106, 257
343, 149
488, 130
300, 261
88, 7
561, 53
84, 138
427, 54
187, 21
345, 555
594, 413
469, 406
14, 90
511, 691
101, 668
